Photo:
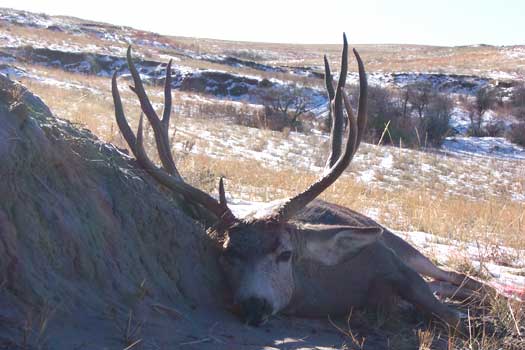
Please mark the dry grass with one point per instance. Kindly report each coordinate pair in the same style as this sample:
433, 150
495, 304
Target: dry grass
498, 324
48, 38
403, 197
387, 57
494, 325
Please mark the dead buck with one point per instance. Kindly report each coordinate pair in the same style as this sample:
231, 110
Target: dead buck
303, 256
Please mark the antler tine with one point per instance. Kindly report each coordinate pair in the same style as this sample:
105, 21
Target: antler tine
160, 129
293, 205
167, 98
121, 118
328, 80
169, 180
335, 137
344, 71
352, 125
336, 106
354, 135
222, 193
363, 98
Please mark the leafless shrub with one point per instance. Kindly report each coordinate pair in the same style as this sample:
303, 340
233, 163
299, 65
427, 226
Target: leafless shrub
414, 116
420, 95
517, 102
384, 112
283, 108
495, 129
434, 126
517, 134
485, 99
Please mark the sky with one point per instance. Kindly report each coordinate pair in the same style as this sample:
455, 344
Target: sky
430, 22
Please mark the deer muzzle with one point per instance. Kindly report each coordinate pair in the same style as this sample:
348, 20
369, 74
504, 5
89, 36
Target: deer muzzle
255, 311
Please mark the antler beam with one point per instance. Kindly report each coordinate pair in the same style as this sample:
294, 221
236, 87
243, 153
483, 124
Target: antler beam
337, 163
169, 175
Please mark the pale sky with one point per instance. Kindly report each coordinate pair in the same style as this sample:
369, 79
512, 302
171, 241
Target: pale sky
432, 22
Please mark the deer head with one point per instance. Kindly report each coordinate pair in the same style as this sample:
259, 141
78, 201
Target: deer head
261, 252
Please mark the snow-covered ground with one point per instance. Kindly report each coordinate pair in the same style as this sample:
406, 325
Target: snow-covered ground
498, 147
14, 72
486, 146
442, 82
228, 87
505, 267
467, 163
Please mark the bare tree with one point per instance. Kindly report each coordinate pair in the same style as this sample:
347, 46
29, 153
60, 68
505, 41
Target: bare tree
435, 125
405, 98
484, 100
284, 107
517, 101
419, 96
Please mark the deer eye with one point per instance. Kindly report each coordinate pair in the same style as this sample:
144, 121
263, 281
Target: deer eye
284, 256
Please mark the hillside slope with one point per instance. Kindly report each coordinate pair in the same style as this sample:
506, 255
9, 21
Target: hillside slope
26, 28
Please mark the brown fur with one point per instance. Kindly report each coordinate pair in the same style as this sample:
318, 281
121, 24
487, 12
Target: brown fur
381, 268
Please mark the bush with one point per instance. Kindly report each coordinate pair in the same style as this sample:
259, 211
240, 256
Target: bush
518, 97
485, 99
380, 111
284, 107
383, 110
435, 124
420, 96
517, 134
517, 102
496, 129
409, 125
519, 112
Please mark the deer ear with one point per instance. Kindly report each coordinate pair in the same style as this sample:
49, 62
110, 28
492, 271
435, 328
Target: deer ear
330, 245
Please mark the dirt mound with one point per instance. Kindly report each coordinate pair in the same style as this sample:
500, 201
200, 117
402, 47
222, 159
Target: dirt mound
81, 230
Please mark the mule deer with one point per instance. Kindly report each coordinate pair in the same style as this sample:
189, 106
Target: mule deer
303, 256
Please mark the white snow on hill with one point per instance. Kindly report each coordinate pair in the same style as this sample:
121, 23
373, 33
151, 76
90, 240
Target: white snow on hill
498, 147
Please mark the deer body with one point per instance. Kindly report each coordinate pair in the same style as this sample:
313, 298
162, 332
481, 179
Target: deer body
322, 290
303, 256
382, 269
321, 212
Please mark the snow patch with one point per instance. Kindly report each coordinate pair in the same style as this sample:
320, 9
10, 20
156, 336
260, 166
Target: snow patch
508, 277
497, 147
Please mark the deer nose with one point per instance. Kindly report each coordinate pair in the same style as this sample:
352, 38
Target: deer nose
255, 311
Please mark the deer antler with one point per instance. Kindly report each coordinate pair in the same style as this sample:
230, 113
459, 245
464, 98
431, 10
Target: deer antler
336, 163
169, 176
